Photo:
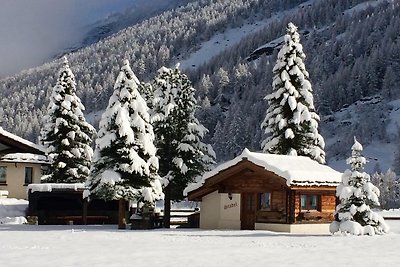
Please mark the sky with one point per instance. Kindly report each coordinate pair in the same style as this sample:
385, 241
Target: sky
32, 31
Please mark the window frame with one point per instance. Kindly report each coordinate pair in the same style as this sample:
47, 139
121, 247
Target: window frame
4, 182
260, 206
31, 175
308, 205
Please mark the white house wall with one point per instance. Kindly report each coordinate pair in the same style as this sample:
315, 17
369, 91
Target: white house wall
322, 228
210, 211
230, 212
220, 212
15, 184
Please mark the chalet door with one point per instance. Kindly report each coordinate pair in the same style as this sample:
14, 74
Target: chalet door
248, 211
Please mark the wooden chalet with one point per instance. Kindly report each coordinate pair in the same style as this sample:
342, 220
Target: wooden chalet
21, 163
265, 191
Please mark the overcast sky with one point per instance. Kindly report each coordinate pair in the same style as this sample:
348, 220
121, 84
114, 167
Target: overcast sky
31, 31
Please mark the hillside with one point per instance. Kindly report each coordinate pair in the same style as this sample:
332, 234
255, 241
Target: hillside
351, 49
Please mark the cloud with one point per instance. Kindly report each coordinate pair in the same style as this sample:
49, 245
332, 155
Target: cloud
31, 32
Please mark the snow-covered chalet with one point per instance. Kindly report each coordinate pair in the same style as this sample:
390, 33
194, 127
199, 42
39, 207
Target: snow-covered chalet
21, 164
267, 192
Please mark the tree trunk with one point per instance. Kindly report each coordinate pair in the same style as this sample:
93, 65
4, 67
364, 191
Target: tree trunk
167, 207
121, 214
84, 211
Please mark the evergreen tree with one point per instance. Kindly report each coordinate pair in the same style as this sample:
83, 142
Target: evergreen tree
389, 187
66, 134
146, 91
357, 196
291, 121
125, 166
182, 154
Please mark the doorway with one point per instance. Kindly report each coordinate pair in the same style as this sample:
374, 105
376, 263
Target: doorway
248, 211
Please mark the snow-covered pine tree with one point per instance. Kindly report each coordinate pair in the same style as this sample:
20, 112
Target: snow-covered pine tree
66, 134
291, 121
125, 165
146, 91
357, 195
389, 187
182, 154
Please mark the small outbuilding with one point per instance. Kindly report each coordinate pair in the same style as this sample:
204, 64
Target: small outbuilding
21, 164
267, 192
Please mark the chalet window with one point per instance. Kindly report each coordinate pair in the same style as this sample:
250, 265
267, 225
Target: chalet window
265, 201
310, 202
3, 174
28, 175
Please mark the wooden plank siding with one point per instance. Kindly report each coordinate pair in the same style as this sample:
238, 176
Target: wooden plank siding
277, 213
251, 183
325, 211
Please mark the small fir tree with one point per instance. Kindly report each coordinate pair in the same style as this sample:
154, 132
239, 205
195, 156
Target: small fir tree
357, 195
66, 134
291, 123
125, 163
182, 154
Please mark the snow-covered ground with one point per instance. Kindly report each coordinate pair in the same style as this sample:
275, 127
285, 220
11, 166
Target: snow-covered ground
73, 245
32, 245
12, 211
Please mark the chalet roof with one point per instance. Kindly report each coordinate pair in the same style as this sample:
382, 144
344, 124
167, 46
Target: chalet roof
10, 143
296, 170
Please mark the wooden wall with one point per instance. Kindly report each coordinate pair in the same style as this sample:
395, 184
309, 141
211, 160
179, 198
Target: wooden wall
252, 182
278, 208
325, 212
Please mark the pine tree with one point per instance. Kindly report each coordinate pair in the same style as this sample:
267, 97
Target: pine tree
357, 196
182, 154
389, 187
291, 122
125, 165
66, 134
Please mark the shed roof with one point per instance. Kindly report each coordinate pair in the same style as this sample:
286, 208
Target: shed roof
10, 143
24, 158
296, 170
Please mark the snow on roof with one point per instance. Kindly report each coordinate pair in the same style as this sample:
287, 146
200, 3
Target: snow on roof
21, 140
51, 186
24, 157
297, 170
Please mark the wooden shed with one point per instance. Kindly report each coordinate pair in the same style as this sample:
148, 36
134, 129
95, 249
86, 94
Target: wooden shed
266, 191
64, 204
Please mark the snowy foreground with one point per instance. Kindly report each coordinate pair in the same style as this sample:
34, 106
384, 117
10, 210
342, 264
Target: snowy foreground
32, 245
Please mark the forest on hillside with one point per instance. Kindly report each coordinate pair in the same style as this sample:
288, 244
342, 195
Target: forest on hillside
352, 49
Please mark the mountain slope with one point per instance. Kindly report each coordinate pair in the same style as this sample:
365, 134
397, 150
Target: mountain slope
351, 49
148, 45
141, 10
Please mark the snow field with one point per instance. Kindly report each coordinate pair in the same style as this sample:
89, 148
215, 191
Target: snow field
32, 245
